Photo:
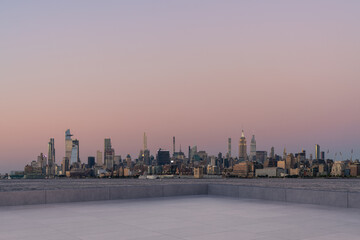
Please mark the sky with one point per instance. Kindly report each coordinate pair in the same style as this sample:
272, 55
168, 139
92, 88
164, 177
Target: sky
286, 71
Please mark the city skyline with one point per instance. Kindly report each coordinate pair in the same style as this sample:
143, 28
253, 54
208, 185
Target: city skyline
200, 71
107, 144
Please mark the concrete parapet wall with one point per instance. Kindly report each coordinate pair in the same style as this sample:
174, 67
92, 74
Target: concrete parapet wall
22, 198
223, 190
129, 192
303, 196
99, 194
185, 189
328, 198
76, 195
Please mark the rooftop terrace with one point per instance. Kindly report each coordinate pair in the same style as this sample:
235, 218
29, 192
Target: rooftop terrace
189, 217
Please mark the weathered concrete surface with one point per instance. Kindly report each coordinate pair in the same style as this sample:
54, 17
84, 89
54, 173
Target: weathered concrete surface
327, 198
351, 185
174, 218
185, 189
343, 199
76, 195
22, 198
224, 190
129, 192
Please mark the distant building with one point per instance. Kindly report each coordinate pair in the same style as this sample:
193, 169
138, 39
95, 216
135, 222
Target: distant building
163, 157
261, 156
51, 156
338, 169
99, 158
65, 165
317, 152
198, 172
228, 155
269, 172
91, 162
242, 147
272, 153
42, 160
117, 160
289, 162
75, 152
109, 154
192, 153
244, 169
68, 144
355, 170
128, 161
281, 164
253, 149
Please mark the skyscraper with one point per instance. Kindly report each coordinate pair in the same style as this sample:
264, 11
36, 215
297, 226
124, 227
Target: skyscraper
91, 162
108, 154
229, 148
75, 152
317, 152
99, 159
242, 147
253, 149
163, 157
272, 153
51, 153
173, 146
145, 142
68, 144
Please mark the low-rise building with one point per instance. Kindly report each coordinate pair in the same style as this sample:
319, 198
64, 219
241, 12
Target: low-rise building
269, 172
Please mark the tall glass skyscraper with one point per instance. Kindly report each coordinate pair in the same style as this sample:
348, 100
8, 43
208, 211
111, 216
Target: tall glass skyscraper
75, 152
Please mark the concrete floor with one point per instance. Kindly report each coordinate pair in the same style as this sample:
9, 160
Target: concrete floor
195, 217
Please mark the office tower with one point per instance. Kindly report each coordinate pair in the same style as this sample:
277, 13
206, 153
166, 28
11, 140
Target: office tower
284, 154
173, 146
145, 142
322, 155
117, 160
229, 148
75, 152
147, 159
242, 147
272, 153
65, 166
108, 154
51, 153
192, 153
317, 151
189, 154
146, 152
68, 144
99, 160
91, 162
128, 160
253, 149
212, 160
41, 159
289, 161
163, 157
261, 156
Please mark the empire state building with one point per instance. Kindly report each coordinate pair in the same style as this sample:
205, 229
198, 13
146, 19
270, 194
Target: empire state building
242, 147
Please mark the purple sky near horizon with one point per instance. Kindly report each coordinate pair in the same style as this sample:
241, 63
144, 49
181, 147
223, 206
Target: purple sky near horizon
286, 71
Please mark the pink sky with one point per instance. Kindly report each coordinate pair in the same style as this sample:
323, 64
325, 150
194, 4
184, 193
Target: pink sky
286, 72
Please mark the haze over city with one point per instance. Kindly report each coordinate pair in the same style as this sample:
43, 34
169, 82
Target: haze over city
286, 72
